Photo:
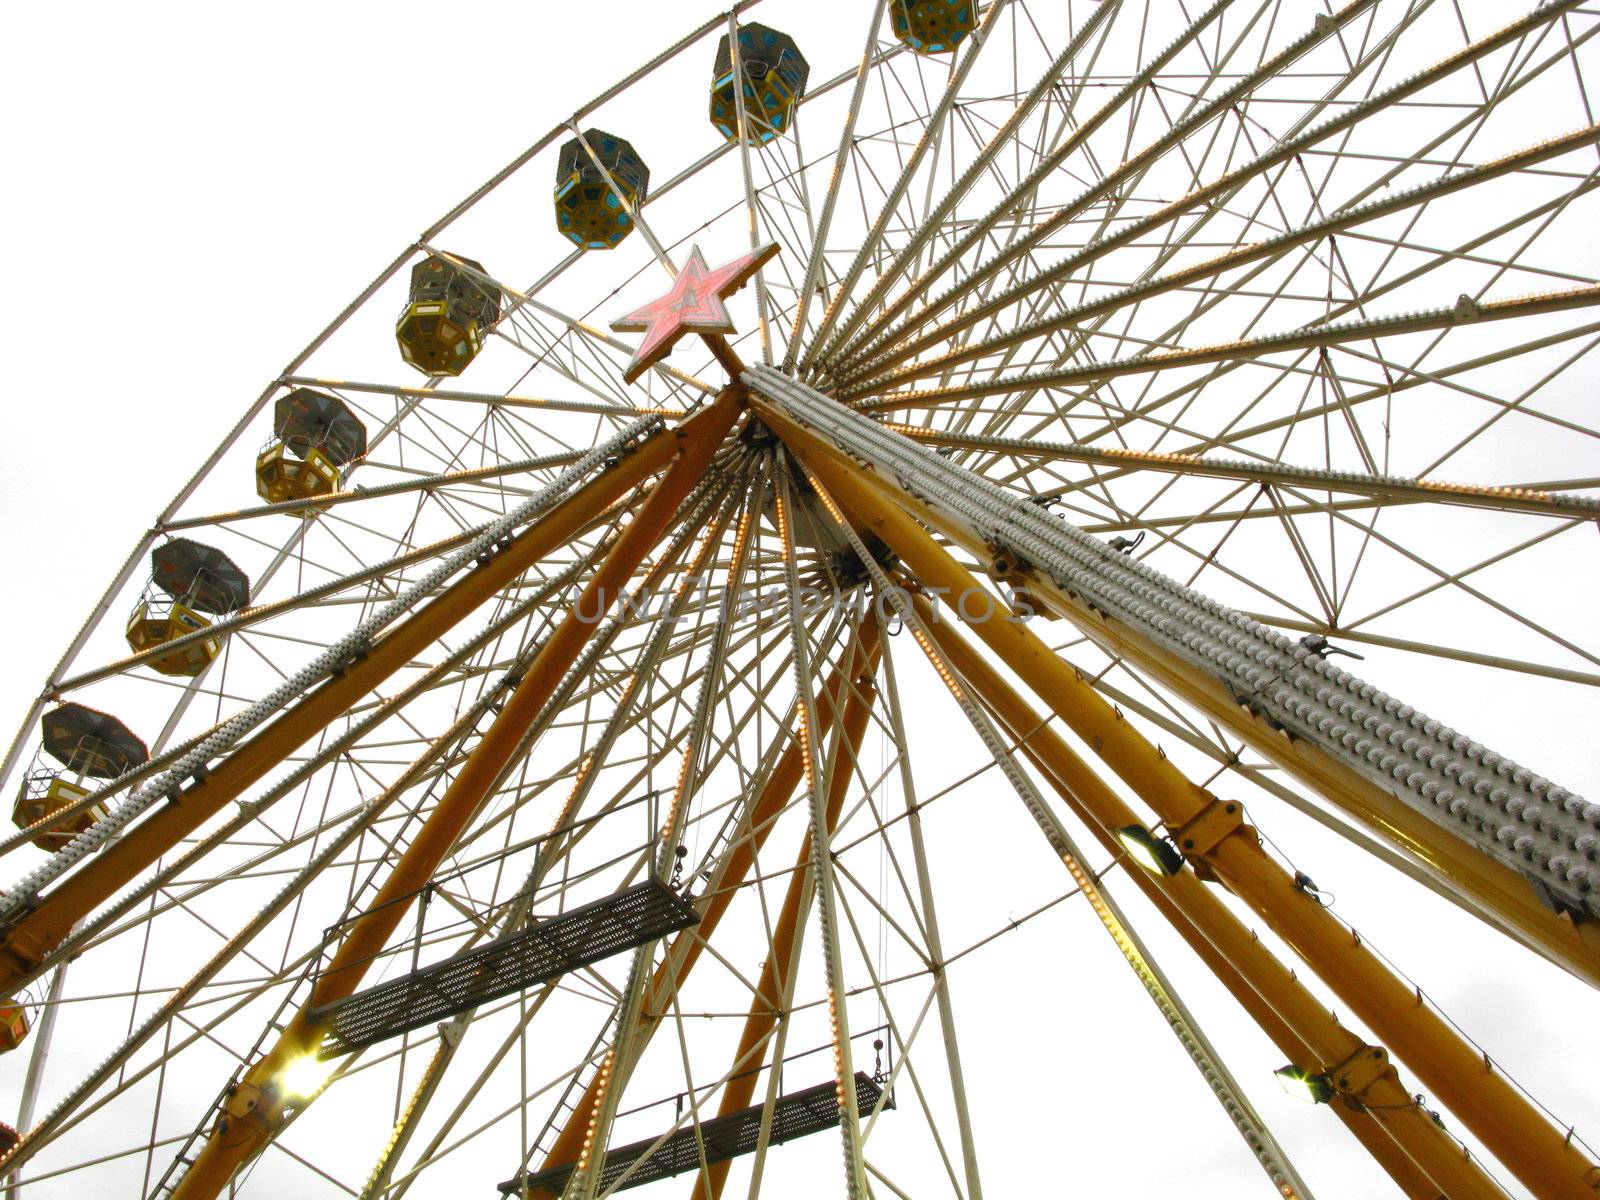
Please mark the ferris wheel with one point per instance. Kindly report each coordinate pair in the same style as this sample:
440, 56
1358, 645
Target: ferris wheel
762, 651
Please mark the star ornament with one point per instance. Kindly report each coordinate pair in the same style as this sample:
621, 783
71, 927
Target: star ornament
694, 305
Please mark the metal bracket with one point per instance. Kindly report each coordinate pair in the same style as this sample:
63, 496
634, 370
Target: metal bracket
1199, 836
1360, 1071
1007, 563
243, 1099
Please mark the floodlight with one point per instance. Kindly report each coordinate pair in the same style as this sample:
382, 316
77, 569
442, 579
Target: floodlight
1304, 1085
1156, 855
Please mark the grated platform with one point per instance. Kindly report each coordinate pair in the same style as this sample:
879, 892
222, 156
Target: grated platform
534, 955
795, 1115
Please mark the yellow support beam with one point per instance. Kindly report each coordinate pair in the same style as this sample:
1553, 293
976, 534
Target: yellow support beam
1514, 1130
25, 944
1493, 890
1499, 895
255, 1108
1233, 954
686, 949
766, 1006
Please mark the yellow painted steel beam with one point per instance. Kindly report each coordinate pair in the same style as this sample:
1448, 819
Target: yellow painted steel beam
255, 1108
1205, 923
1514, 1130
689, 945
1498, 894
26, 943
1503, 898
766, 1006
559, 842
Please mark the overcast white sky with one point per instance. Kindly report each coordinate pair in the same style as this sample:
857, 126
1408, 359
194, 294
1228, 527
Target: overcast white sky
193, 190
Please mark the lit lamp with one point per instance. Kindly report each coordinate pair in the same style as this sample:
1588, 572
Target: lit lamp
1303, 1085
1156, 855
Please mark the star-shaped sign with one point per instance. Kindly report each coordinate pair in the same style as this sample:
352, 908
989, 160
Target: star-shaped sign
694, 305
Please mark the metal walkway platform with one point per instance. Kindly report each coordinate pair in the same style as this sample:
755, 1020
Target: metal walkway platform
534, 955
793, 1116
